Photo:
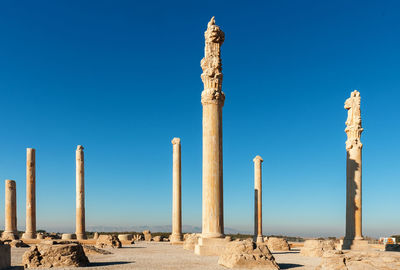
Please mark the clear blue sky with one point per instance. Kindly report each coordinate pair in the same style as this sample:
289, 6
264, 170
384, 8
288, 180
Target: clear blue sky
122, 78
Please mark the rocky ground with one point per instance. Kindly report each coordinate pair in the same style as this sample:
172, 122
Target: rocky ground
151, 255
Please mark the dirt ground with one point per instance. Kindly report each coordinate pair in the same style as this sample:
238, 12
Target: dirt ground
152, 255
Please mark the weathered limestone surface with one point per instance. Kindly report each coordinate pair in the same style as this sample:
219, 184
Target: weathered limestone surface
277, 244
108, 241
316, 248
39, 236
10, 230
190, 241
247, 254
353, 237
5, 256
212, 99
95, 235
360, 260
125, 237
47, 255
30, 231
176, 192
80, 194
258, 237
147, 235
94, 250
17, 244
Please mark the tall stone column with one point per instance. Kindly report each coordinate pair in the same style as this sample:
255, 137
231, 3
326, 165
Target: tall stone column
258, 200
30, 231
80, 194
10, 230
176, 236
353, 237
212, 99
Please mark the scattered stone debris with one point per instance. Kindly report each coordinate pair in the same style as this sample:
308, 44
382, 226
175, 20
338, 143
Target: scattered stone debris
17, 243
46, 255
357, 260
106, 240
95, 251
247, 254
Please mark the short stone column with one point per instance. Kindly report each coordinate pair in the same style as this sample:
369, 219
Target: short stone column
353, 238
30, 231
10, 230
80, 194
258, 237
176, 236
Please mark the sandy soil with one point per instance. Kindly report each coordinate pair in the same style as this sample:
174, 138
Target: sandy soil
151, 255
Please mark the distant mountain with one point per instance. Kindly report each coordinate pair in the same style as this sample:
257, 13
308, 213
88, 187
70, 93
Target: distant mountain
160, 228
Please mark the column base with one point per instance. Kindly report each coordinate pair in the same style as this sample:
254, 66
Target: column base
353, 244
211, 246
176, 239
81, 236
29, 235
259, 239
9, 236
68, 236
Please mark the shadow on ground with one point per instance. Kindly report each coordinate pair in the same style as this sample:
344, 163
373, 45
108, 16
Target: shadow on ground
16, 268
94, 264
289, 265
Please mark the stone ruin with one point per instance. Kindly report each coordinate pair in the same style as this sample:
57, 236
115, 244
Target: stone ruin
50, 254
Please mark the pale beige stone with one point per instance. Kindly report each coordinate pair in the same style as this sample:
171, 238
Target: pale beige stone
247, 255
10, 228
39, 236
68, 236
190, 241
95, 235
360, 260
176, 235
17, 243
5, 256
258, 237
212, 99
353, 172
48, 255
80, 194
106, 240
277, 244
316, 248
125, 237
92, 250
147, 235
30, 231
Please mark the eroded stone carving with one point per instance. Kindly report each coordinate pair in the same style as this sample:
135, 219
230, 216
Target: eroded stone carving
353, 122
212, 65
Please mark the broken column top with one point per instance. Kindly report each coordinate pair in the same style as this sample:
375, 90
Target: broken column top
258, 158
176, 140
211, 64
353, 122
79, 148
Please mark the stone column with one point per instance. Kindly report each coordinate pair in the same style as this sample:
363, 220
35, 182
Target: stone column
10, 230
176, 236
212, 99
353, 237
30, 231
258, 200
80, 194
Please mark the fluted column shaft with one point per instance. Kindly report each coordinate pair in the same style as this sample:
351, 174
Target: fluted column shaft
30, 231
80, 194
354, 194
213, 208
176, 192
10, 228
258, 200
